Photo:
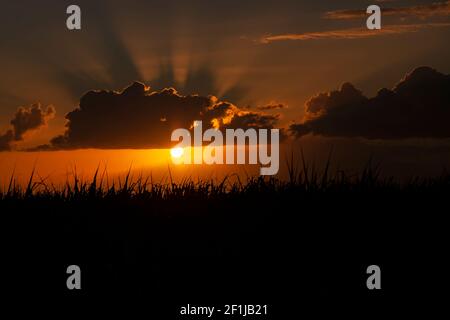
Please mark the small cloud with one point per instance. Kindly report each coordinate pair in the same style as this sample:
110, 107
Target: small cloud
227, 116
272, 106
421, 11
353, 33
25, 120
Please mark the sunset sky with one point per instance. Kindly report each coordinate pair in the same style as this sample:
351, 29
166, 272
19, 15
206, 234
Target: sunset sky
263, 61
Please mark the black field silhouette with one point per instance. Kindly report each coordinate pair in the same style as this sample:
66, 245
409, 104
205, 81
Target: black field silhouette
262, 241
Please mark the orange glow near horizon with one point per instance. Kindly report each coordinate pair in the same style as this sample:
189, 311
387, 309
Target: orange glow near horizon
59, 167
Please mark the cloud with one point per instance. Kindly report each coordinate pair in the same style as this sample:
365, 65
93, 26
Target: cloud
353, 33
272, 106
421, 11
138, 117
24, 121
227, 116
417, 107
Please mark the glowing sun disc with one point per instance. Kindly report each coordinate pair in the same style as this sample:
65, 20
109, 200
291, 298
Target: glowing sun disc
176, 152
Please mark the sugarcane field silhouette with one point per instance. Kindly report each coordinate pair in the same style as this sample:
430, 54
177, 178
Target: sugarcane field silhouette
315, 233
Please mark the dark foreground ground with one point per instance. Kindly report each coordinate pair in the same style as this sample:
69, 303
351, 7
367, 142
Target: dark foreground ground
304, 244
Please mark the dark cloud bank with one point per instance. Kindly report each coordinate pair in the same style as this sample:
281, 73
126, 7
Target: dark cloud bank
24, 121
417, 107
138, 117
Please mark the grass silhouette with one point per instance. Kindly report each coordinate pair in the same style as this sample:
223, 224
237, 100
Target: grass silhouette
302, 178
246, 239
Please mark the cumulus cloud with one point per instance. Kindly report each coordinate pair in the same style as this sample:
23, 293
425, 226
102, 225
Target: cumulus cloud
417, 107
139, 117
24, 121
421, 11
354, 33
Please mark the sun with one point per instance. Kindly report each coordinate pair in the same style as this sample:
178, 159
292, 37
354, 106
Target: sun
176, 152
